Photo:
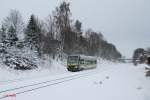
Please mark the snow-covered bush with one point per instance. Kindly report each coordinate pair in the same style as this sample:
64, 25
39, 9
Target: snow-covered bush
17, 58
17, 62
2, 48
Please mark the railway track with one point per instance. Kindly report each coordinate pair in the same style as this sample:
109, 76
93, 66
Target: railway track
36, 86
23, 79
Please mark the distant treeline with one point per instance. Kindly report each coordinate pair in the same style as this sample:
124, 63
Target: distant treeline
57, 35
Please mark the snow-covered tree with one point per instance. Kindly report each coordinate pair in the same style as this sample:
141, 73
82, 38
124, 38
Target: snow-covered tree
33, 34
78, 26
12, 36
14, 20
137, 54
62, 21
2, 34
51, 28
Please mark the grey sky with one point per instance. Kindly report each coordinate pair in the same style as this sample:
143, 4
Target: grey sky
125, 23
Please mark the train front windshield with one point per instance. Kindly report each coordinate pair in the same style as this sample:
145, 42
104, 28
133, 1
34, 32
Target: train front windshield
73, 60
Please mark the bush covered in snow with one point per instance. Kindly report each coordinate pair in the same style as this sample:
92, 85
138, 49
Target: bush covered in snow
18, 59
19, 63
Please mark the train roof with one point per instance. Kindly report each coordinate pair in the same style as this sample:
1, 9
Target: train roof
85, 57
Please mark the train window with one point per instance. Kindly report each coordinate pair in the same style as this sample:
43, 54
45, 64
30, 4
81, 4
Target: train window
81, 61
95, 62
73, 59
90, 62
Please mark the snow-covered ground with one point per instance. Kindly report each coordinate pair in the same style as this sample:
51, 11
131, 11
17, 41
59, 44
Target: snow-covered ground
8, 75
109, 81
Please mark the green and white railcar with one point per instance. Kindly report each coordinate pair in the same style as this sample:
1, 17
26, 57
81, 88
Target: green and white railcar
81, 62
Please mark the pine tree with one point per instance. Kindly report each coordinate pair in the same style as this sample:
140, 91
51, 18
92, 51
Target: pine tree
33, 34
12, 36
3, 34
78, 26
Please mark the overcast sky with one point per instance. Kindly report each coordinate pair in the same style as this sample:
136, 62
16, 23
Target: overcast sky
125, 23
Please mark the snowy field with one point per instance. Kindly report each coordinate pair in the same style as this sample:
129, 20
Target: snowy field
109, 81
